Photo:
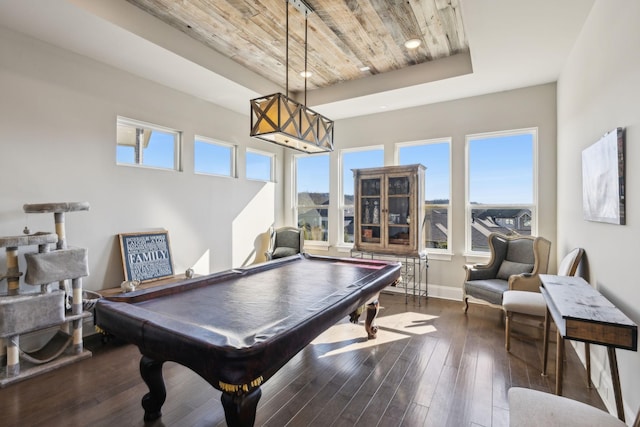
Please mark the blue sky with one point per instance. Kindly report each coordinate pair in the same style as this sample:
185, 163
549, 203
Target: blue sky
501, 167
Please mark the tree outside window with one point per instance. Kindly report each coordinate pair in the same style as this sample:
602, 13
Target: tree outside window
312, 196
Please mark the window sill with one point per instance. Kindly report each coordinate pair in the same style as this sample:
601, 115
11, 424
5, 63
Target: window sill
439, 256
316, 245
476, 258
344, 247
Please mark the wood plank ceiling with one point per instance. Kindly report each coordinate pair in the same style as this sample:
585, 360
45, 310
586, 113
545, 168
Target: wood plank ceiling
344, 36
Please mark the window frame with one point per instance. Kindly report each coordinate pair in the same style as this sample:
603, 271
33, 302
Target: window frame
295, 205
177, 143
533, 207
434, 252
341, 205
272, 164
233, 161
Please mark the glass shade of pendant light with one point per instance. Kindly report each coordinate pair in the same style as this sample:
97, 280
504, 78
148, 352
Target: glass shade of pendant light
279, 119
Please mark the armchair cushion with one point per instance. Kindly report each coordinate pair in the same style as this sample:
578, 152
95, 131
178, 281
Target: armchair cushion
489, 290
283, 251
509, 268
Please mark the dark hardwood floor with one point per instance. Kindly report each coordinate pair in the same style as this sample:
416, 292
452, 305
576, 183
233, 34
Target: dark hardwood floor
430, 366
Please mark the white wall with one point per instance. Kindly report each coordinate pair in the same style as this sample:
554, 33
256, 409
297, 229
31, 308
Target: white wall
58, 116
516, 109
599, 90
57, 143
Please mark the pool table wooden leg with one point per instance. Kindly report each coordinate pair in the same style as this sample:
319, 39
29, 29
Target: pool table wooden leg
240, 409
372, 312
151, 372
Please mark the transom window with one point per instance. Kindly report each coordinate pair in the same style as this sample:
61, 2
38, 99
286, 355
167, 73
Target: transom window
144, 144
260, 165
214, 157
501, 186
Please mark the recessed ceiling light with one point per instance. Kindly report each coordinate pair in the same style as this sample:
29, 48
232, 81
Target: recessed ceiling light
412, 43
306, 74
363, 69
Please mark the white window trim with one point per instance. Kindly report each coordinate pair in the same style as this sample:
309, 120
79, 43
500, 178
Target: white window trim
441, 254
315, 244
473, 256
271, 156
340, 243
233, 160
177, 149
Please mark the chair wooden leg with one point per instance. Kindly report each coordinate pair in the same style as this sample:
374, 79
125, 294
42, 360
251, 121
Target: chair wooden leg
545, 343
507, 330
559, 362
587, 360
466, 304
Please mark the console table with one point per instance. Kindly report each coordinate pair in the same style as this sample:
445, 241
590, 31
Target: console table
581, 313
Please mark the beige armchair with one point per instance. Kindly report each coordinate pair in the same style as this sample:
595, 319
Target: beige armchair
532, 304
533, 408
514, 264
283, 242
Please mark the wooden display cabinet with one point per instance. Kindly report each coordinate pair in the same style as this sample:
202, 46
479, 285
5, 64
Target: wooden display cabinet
389, 209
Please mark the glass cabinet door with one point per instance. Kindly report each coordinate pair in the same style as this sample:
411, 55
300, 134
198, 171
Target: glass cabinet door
399, 205
370, 209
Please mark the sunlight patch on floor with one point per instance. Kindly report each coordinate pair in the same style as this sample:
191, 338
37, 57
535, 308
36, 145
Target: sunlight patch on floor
344, 337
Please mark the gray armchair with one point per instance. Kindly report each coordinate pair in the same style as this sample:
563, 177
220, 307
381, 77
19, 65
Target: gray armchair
533, 408
515, 264
283, 242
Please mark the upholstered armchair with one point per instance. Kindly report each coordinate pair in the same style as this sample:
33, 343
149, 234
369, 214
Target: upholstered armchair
515, 263
283, 242
533, 408
532, 304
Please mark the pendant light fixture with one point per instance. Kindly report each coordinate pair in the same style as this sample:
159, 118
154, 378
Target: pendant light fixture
279, 119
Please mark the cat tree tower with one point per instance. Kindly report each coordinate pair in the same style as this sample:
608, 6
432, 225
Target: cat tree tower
23, 311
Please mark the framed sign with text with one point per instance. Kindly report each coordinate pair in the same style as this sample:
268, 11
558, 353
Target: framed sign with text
146, 256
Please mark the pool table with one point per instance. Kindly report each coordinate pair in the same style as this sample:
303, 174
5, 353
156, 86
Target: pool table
237, 328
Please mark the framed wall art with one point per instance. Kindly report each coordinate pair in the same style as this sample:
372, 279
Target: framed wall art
603, 179
146, 256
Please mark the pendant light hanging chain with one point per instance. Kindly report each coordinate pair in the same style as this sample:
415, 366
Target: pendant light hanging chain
286, 59
306, 75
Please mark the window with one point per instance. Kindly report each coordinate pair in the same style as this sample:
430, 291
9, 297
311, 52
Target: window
354, 159
214, 157
144, 144
501, 182
436, 156
259, 165
312, 195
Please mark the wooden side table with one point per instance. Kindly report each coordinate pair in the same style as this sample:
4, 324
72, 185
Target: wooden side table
581, 313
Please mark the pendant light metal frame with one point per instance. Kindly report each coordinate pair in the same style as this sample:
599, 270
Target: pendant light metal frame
279, 119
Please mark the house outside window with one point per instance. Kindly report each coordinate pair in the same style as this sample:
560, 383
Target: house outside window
501, 186
260, 165
147, 145
213, 157
312, 196
369, 157
435, 155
